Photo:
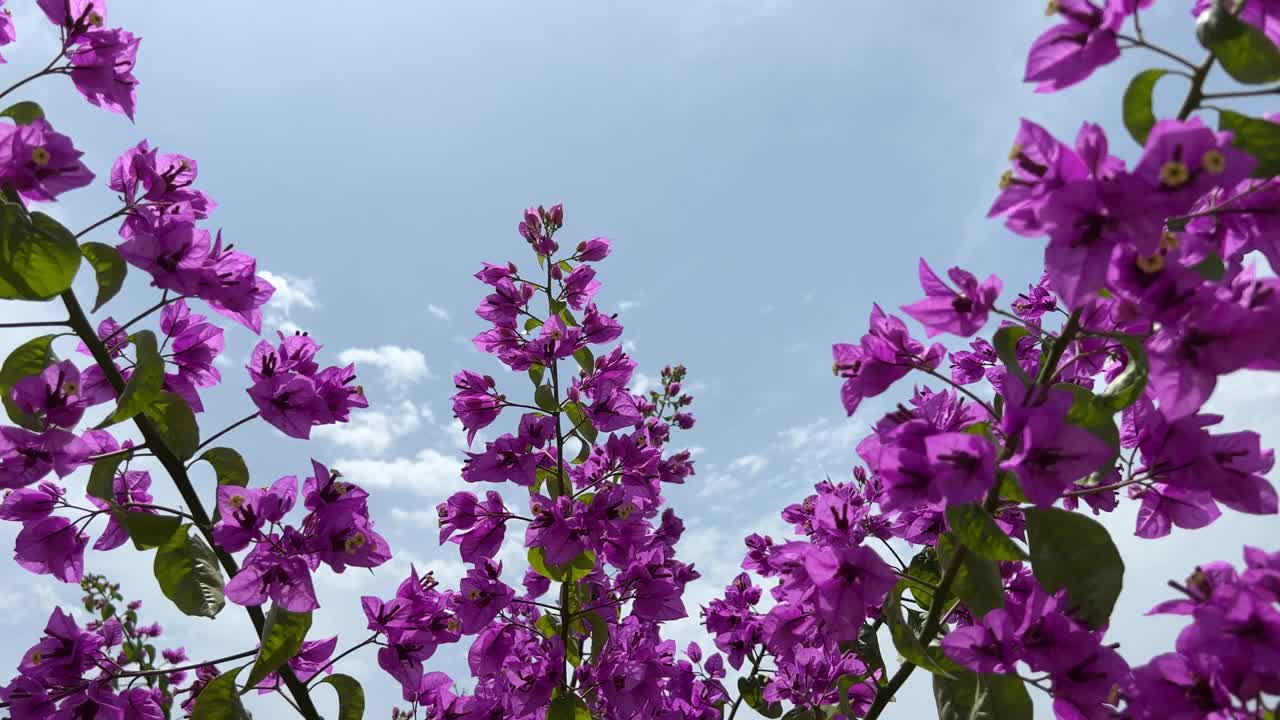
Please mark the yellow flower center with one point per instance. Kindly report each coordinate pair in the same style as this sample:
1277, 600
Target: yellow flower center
1151, 263
1213, 162
1174, 173
453, 625
1168, 241
36, 658
40, 156
354, 543
236, 501
473, 594
70, 388
94, 19
341, 488
1015, 151
1006, 179
1052, 8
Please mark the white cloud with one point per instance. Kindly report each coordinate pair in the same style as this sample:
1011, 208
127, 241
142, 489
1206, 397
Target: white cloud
430, 472
641, 384
750, 464
626, 305
372, 432
291, 292
400, 366
438, 311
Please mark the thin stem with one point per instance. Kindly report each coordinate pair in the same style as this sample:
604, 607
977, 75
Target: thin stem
124, 451
1241, 93
178, 473
1196, 94
103, 221
1139, 42
41, 323
193, 666
334, 661
226, 430
164, 300
1222, 206
48, 69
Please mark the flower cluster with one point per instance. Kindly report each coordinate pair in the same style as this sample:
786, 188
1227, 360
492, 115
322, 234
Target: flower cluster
589, 454
92, 671
336, 531
294, 394
1229, 656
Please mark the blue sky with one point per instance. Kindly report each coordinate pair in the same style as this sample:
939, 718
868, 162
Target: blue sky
767, 168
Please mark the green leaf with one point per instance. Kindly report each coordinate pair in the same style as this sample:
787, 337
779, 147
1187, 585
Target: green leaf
969, 696
147, 530
228, 466
545, 398
751, 689
535, 374
173, 420
103, 476
924, 566
23, 113
979, 532
1244, 51
1070, 550
1009, 487
282, 638
220, 700
29, 358
532, 324
585, 359
1211, 268
189, 575
568, 707
38, 257
977, 582
599, 634
1256, 136
1139, 117
1129, 384
908, 645
350, 696
109, 267
1006, 345
145, 384
1092, 414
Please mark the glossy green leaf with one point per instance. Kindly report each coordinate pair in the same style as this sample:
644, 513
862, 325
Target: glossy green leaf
1006, 345
977, 583
228, 466
1073, 551
1129, 384
599, 633
1258, 137
109, 268
145, 384
220, 700
1091, 413
1009, 487
103, 476
350, 696
535, 374
1211, 268
23, 113
29, 358
924, 566
585, 359
173, 420
970, 696
147, 530
904, 638
545, 398
189, 575
38, 256
282, 638
568, 707
751, 690
1244, 51
1139, 116
978, 531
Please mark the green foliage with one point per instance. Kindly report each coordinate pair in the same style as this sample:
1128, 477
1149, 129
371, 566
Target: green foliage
220, 700
109, 268
175, 423
29, 358
146, 530
102, 477
568, 707
1125, 390
282, 637
1073, 551
1244, 51
545, 398
575, 569
970, 696
1258, 137
904, 639
189, 575
977, 530
228, 466
350, 696
751, 690
977, 581
1006, 345
23, 113
1139, 117
145, 384
38, 256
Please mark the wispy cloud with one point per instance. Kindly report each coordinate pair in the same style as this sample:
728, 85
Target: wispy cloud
400, 366
438, 311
